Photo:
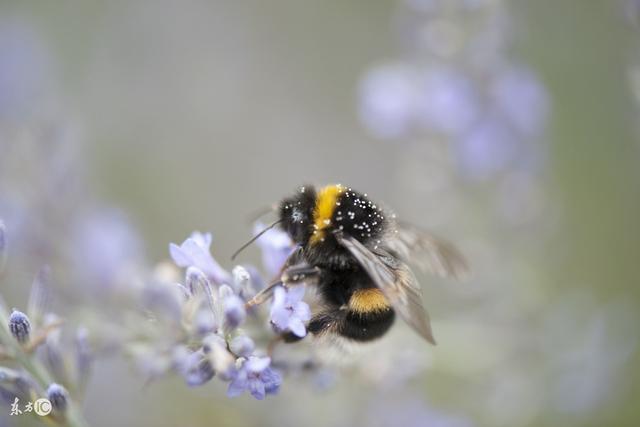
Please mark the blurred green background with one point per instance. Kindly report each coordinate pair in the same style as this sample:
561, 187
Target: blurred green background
191, 115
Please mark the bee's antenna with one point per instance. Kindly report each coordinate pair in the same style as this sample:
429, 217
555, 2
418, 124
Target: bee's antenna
254, 238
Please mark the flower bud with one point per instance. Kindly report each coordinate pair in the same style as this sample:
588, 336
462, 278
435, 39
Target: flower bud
234, 311
19, 326
198, 369
58, 397
242, 345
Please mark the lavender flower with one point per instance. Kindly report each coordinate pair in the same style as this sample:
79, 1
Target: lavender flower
276, 246
460, 87
233, 307
521, 98
51, 351
388, 100
288, 311
223, 362
632, 10
24, 68
197, 369
256, 376
204, 322
242, 282
83, 355
105, 248
449, 103
242, 345
163, 299
16, 383
19, 326
58, 396
198, 284
486, 150
195, 252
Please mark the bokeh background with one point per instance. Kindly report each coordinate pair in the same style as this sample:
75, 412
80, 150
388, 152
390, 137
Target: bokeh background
509, 127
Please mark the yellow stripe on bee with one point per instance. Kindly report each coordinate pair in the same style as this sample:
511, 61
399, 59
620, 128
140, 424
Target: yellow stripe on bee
368, 300
323, 211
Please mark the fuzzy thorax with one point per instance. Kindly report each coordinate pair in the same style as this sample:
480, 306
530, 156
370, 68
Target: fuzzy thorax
323, 210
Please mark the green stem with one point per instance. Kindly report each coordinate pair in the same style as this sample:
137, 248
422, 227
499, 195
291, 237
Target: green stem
73, 415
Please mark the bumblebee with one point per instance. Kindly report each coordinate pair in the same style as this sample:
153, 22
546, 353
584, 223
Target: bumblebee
357, 255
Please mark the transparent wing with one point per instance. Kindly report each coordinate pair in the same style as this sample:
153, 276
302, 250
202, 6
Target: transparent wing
428, 252
396, 281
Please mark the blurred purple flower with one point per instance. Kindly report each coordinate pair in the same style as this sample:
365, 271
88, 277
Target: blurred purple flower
106, 247
24, 68
522, 99
195, 252
233, 307
164, 300
256, 376
83, 355
632, 10
448, 103
197, 369
204, 322
388, 100
20, 326
224, 363
242, 345
288, 311
276, 246
486, 149
196, 283
58, 396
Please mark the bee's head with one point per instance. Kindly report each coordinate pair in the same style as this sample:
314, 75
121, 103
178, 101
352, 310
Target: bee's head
296, 214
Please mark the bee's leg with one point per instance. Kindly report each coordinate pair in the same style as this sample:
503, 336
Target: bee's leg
263, 295
298, 273
292, 275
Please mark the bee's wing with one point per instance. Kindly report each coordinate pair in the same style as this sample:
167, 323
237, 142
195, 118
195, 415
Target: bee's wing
428, 252
396, 281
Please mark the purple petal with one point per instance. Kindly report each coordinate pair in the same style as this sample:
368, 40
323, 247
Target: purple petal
234, 311
297, 327
257, 364
179, 256
257, 389
279, 297
271, 380
237, 387
276, 246
203, 240
295, 294
280, 318
242, 345
200, 257
301, 311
